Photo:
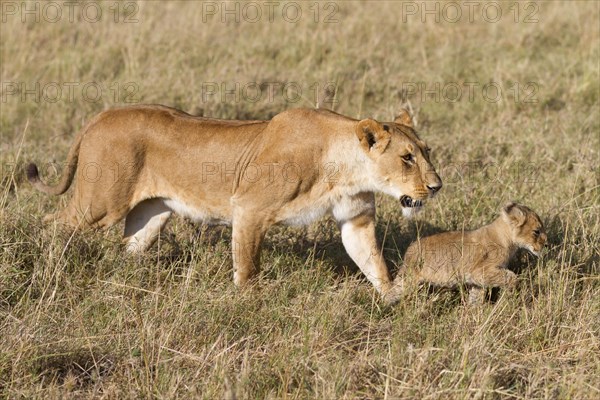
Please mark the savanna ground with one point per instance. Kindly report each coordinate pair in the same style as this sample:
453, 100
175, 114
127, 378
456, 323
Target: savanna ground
78, 319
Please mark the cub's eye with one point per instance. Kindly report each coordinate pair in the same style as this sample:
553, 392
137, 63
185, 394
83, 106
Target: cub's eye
536, 233
408, 157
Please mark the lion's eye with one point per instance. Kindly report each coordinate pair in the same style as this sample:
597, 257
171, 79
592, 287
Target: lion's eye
536, 233
408, 157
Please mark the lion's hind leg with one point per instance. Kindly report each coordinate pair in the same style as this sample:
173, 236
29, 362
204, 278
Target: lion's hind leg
70, 218
144, 223
76, 217
55, 216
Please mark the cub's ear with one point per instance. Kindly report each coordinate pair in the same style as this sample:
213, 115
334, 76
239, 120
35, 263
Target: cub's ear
404, 118
514, 214
373, 136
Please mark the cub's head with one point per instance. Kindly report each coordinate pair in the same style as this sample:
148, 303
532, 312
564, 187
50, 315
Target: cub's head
398, 161
526, 227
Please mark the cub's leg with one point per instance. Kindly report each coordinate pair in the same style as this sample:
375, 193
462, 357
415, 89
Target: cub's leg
144, 223
476, 295
404, 284
358, 236
493, 277
248, 233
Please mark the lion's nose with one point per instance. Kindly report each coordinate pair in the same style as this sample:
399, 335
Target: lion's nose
434, 188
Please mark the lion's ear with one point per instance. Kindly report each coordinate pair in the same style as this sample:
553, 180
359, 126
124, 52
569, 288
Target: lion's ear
404, 118
513, 214
373, 137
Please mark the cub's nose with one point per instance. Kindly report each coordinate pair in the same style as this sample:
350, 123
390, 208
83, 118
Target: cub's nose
434, 187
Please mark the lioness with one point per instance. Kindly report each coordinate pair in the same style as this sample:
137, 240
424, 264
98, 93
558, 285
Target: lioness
477, 258
144, 163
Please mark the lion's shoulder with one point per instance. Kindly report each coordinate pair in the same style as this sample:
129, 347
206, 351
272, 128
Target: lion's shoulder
307, 114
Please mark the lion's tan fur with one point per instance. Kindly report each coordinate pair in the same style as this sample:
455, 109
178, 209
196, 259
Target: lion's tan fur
143, 163
476, 258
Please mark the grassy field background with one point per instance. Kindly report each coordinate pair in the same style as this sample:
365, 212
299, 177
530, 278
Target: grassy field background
78, 319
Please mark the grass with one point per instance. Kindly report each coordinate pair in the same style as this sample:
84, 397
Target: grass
78, 319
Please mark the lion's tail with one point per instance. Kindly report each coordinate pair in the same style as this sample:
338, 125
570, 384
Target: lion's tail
33, 175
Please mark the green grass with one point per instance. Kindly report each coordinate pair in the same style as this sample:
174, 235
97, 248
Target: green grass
78, 319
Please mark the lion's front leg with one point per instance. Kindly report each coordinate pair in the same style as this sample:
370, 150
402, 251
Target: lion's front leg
358, 236
247, 237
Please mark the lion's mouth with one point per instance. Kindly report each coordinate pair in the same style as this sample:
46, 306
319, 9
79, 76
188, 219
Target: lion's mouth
409, 202
533, 251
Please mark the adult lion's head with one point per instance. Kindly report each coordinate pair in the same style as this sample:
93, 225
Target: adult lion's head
398, 161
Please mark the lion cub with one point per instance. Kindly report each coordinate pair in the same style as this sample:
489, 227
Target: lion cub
477, 258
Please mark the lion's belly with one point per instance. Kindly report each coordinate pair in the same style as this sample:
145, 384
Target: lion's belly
197, 214
306, 215
336, 203
300, 211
